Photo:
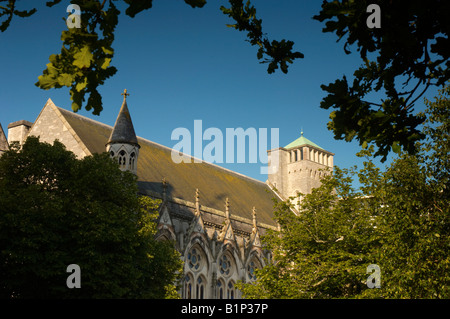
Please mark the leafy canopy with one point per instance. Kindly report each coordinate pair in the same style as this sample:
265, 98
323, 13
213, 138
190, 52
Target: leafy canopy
56, 210
404, 57
398, 219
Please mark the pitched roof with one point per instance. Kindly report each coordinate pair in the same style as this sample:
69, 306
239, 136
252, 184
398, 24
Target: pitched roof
155, 163
302, 141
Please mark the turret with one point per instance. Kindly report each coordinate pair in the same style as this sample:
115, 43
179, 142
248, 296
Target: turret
122, 144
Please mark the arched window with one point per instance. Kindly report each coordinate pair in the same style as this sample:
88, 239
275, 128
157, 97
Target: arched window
188, 282
230, 290
251, 270
122, 159
220, 289
200, 288
132, 160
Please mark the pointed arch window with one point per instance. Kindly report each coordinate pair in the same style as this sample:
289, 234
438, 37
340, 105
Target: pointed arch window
188, 282
132, 160
251, 267
122, 158
251, 270
230, 290
220, 289
200, 288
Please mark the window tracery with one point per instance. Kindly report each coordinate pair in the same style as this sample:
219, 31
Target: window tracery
195, 260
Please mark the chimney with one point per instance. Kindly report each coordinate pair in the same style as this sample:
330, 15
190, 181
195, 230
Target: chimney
18, 131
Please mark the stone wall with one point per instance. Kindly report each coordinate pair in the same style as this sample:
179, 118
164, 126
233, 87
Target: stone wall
51, 125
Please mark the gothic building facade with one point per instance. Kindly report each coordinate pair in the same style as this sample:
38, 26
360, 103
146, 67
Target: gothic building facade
214, 216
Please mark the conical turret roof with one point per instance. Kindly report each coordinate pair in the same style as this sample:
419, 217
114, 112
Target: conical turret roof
123, 131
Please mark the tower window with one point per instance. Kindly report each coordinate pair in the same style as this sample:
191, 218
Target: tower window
122, 159
132, 160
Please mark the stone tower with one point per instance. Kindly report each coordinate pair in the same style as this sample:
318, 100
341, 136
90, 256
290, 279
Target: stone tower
296, 167
122, 143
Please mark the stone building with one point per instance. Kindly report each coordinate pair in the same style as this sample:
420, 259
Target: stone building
299, 167
214, 216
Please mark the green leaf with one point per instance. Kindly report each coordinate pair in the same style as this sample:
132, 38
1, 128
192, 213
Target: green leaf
105, 64
83, 58
81, 85
46, 82
109, 51
65, 79
75, 107
396, 148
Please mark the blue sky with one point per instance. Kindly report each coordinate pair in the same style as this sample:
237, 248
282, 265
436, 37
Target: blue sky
181, 64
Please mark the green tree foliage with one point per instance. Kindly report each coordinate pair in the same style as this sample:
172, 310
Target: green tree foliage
56, 210
322, 252
398, 219
415, 220
401, 59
